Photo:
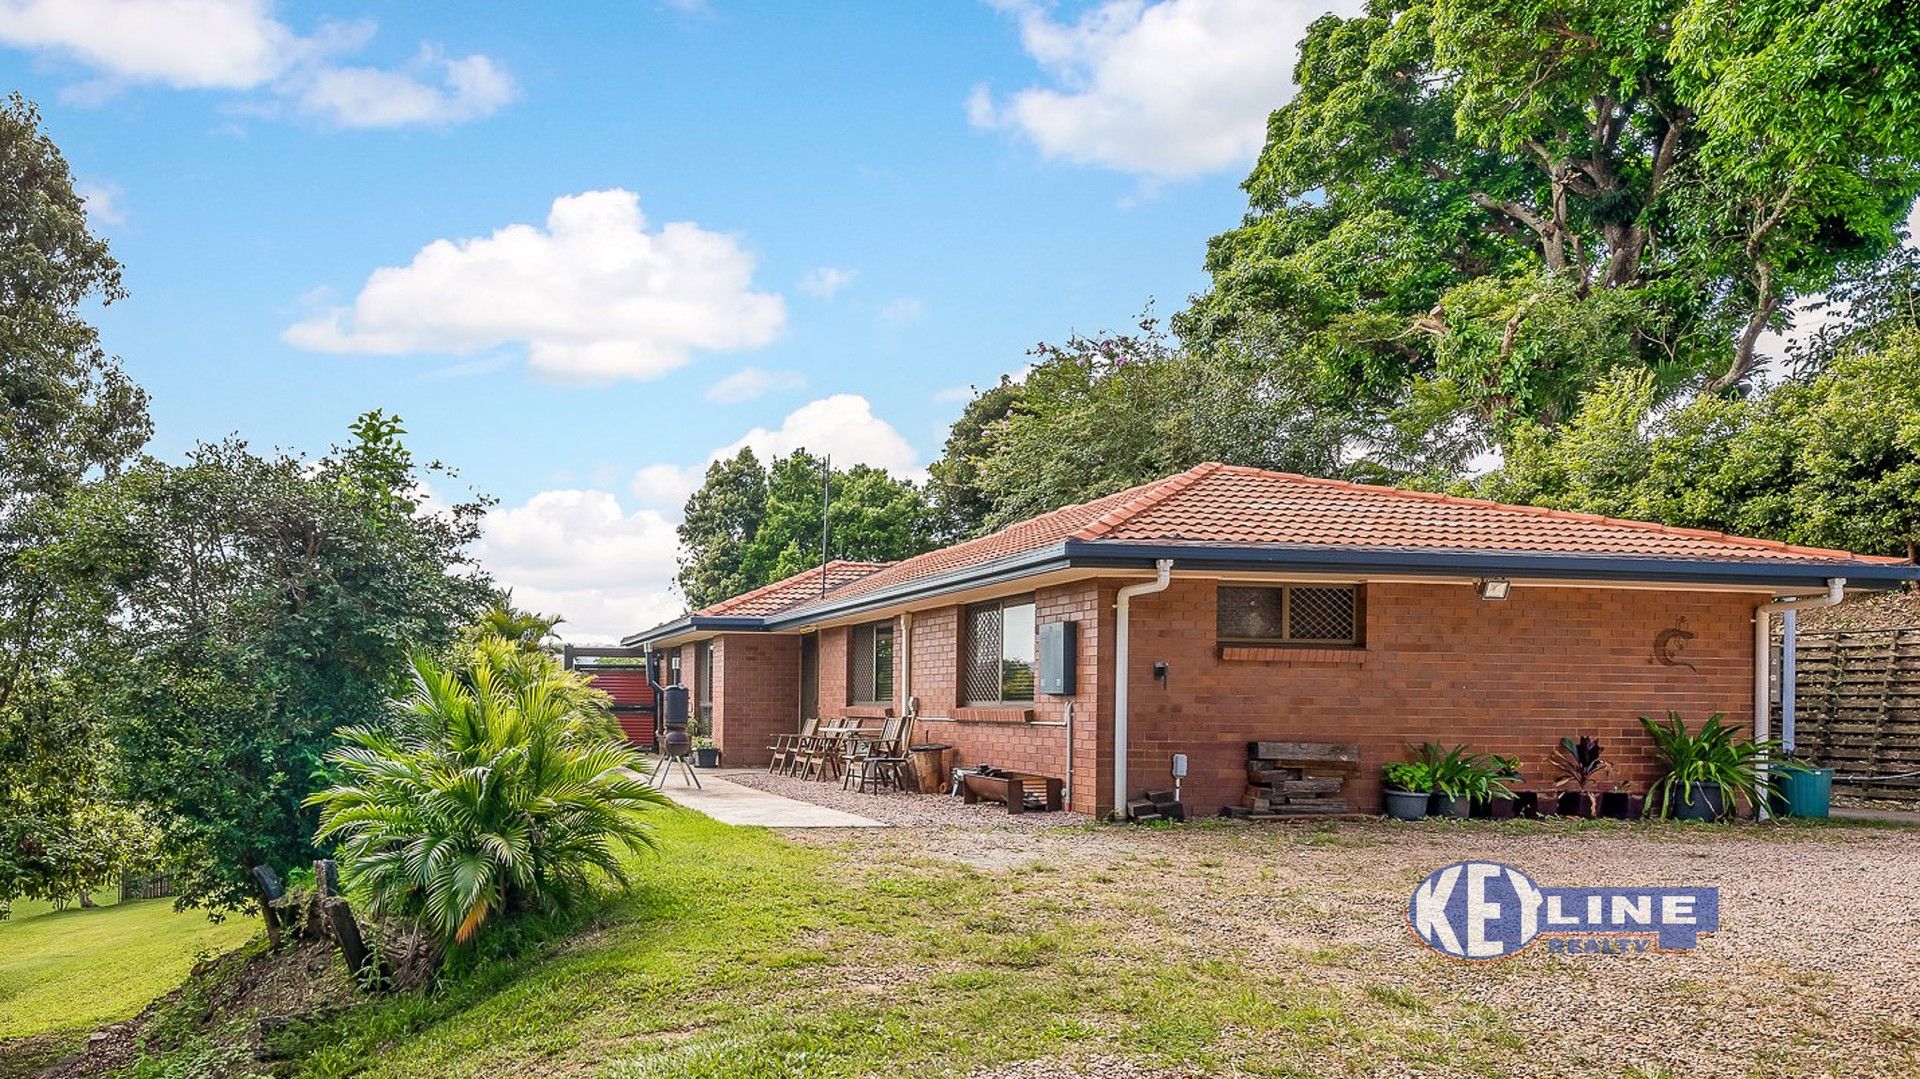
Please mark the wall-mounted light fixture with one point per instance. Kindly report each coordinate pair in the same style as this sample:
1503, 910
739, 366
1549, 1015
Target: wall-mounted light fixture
1160, 671
1493, 587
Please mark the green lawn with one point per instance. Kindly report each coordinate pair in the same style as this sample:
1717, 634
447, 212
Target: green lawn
743, 955
1211, 949
74, 970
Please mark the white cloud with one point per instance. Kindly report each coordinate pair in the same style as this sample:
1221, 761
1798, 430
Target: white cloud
578, 554
190, 44
435, 90
239, 46
825, 281
842, 426
902, 311
749, 383
103, 202
593, 297
1169, 89
666, 485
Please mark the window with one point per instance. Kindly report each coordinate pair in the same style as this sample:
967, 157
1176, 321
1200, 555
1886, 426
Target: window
873, 663
1294, 614
999, 655
704, 699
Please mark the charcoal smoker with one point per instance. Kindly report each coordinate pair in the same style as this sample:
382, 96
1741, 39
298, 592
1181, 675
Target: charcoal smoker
676, 745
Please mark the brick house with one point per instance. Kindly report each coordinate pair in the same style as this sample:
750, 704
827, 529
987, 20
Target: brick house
1223, 605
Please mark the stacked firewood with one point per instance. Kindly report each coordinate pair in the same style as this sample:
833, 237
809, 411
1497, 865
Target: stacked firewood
1296, 779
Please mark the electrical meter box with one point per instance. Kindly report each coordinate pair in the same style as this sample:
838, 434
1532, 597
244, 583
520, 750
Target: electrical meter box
1058, 657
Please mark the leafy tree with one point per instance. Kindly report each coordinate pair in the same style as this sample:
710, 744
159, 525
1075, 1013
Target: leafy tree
528, 631
748, 526
718, 522
67, 415
488, 797
871, 517
1518, 199
1098, 414
260, 603
1866, 310
960, 505
1831, 461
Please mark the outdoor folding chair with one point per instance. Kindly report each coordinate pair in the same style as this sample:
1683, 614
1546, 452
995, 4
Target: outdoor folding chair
785, 748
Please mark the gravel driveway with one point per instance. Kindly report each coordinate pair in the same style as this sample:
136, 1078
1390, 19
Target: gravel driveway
1815, 970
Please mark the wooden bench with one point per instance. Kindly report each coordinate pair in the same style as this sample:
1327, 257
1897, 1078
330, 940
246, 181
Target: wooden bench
1011, 788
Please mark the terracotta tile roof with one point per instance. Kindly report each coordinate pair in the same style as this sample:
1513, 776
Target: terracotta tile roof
791, 592
1029, 535
1215, 503
1226, 504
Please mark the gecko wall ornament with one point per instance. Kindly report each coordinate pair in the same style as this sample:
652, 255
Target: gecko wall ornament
1669, 643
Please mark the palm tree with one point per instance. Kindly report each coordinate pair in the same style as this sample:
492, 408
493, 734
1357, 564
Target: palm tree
490, 796
527, 630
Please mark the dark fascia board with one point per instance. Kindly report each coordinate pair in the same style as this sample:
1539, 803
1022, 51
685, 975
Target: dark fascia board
1776, 573
695, 623
998, 571
1308, 558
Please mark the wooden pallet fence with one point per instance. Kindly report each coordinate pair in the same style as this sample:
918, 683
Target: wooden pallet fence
1857, 709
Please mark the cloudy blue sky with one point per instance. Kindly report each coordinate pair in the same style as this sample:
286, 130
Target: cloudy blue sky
582, 255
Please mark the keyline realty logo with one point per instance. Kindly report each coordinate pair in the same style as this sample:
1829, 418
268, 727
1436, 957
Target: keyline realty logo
1488, 910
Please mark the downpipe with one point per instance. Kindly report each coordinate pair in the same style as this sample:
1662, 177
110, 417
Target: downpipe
1763, 664
1123, 601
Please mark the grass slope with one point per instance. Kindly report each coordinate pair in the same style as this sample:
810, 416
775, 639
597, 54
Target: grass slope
63, 973
743, 955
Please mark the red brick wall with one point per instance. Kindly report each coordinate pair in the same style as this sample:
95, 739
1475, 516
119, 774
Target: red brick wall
1439, 664
834, 689
1025, 737
756, 680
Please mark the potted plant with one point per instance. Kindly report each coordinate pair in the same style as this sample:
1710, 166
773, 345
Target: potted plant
1408, 786
1452, 770
1498, 801
706, 753
1704, 774
1580, 765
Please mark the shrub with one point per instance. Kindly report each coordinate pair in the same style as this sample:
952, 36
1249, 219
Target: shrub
1715, 756
1580, 764
1411, 776
491, 795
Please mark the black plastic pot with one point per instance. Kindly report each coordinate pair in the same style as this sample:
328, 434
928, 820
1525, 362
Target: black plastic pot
706, 758
1406, 805
1454, 808
1703, 801
1496, 808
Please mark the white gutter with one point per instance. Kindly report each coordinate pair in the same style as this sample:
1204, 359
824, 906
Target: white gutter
1123, 602
1763, 659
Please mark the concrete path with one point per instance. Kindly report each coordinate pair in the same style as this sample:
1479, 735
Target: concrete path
731, 803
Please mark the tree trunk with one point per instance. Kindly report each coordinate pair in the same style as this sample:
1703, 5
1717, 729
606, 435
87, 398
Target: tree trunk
86, 900
1743, 357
